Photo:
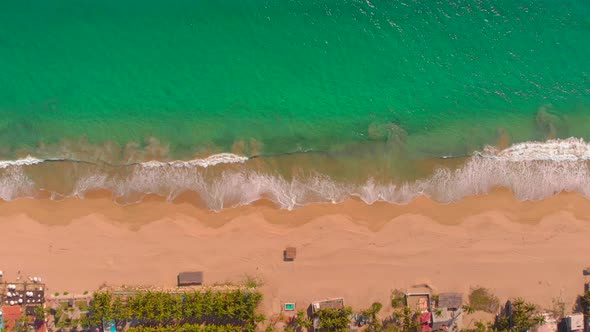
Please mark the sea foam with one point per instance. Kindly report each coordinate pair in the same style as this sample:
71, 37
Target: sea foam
532, 170
20, 162
216, 159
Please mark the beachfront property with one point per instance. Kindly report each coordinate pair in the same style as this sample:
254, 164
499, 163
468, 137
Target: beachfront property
328, 304
336, 303
436, 312
22, 301
574, 322
419, 298
549, 324
430, 311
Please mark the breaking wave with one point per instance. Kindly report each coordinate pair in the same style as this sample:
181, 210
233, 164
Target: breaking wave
20, 162
571, 149
532, 170
221, 158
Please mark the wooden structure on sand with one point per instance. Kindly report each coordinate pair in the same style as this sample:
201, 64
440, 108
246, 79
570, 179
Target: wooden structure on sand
289, 254
190, 278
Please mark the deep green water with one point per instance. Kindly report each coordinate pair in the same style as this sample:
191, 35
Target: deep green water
293, 75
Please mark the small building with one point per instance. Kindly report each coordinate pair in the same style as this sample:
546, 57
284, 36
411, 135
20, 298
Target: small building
190, 278
452, 301
574, 322
337, 303
419, 298
425, 321
289, 254
10, 315
549, 324
442, 319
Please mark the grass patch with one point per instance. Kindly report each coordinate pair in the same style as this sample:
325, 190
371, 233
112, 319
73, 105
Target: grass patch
398, 298
82, 305
482, 299
252, 282
63, 306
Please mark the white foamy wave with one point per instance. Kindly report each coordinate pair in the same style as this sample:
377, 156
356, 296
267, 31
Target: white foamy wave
571, 149
221, 158
15, 184
532, 171
20, 162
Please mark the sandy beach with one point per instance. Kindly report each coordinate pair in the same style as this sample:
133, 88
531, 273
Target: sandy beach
531, 249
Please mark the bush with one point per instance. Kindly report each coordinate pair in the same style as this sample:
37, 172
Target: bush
186, 328
161, 309
252, 282
334, 319
524, 317
398, 298
481, 299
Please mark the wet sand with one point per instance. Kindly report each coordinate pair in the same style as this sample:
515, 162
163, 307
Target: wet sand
536, 250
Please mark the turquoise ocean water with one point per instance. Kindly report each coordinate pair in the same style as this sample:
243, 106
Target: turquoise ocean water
334, 98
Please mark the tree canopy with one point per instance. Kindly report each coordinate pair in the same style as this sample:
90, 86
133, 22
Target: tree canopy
197, 311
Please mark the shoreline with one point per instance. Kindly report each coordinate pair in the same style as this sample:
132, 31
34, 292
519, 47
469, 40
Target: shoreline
373, 216
354, 250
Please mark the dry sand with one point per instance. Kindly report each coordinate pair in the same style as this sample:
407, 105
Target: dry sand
532, 249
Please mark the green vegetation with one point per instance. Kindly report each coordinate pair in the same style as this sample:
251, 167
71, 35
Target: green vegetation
252, 282
187, 328
165, 311
585, 303
374, 324
299, 322
21, 325
39, 313
481, 299
82, 305
66, 293
558, 307
398, 299
403, 319
524, 317
334, 319
63, 318
85, 292
56, 294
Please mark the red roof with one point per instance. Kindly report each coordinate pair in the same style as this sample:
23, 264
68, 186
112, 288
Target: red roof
10, 314
425, 319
